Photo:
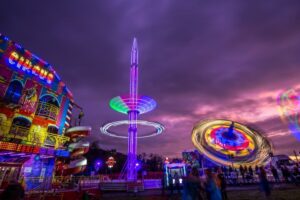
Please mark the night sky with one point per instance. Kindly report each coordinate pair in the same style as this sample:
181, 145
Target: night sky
198, 60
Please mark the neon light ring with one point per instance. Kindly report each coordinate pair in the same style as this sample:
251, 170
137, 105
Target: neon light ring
158, 128
231, 143
125, 104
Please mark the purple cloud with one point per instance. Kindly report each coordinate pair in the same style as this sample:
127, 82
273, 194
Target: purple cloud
199, 60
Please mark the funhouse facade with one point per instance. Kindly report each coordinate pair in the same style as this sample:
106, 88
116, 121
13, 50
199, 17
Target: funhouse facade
35, 111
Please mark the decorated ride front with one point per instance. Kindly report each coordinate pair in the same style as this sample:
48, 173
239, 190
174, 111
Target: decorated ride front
77, 148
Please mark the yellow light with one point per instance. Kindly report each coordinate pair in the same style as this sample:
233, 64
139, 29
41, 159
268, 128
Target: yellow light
13, 57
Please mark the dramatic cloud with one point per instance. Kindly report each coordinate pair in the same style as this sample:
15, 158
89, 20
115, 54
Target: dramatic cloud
199, 60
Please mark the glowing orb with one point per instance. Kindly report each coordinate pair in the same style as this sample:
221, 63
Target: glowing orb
158, 128
125, 103
241, 145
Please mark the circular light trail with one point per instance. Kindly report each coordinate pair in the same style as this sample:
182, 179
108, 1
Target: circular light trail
158, 128
125, 103
289, 108
231, 143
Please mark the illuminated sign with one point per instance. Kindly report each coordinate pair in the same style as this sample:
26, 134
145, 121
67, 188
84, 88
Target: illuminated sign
27, 169
19, 147
26, 65
8, 146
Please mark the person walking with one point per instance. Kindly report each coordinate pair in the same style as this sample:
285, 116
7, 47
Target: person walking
246, 177
251, 174
256, 170
194, 185
285, 173
264, 183
212, 190
242, 172
177, 182
256, 178
222, 184
171, 184
250, 170
295, 175
234, 177
275, 174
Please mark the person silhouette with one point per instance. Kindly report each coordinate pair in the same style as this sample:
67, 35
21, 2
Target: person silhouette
80, 116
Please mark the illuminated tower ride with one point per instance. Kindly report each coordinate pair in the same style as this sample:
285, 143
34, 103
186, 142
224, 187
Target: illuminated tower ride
133, 113
132, 105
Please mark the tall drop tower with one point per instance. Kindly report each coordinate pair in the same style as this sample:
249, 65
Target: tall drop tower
132, 105
133, 114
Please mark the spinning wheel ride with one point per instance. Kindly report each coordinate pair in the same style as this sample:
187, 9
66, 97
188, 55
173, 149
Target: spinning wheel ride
231, 143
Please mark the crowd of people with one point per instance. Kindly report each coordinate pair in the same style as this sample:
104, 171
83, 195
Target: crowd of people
194, 188
248, 175
213, 186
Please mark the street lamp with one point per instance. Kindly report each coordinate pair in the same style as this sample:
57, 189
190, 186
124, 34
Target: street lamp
97, 165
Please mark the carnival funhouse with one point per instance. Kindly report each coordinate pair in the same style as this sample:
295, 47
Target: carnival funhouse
36, 137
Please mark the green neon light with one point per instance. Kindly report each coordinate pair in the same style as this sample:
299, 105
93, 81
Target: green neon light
118, 105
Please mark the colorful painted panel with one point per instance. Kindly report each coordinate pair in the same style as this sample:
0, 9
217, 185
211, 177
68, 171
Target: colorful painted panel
30, 97
5, 77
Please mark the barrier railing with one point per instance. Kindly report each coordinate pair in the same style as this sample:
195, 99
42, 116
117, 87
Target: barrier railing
28, 136
75, 182
59, 139
18, 132
47, 110
62, 183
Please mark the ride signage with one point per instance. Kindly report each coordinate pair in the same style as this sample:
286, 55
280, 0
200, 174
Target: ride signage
27, 65
8, 146
19, 147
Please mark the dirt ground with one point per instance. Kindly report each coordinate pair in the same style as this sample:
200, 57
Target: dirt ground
240, 194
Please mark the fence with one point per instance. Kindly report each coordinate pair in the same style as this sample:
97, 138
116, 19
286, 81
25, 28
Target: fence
78, 183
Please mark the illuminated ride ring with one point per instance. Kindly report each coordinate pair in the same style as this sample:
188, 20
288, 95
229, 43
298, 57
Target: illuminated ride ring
289, 108
125, 104
158, 128
289, 104
243, 147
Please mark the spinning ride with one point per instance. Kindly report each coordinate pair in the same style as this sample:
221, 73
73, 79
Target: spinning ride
231, 143
77, 147
132, 105
289, 107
